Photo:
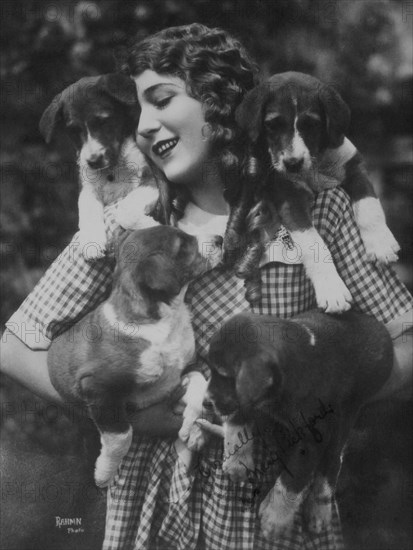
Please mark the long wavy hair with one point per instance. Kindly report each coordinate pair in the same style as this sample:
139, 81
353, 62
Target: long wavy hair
217, 71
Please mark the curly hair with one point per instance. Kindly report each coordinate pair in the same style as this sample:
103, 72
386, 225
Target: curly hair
217, 71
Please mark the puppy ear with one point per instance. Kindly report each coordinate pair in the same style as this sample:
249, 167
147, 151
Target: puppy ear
337, 115
117, 240
157, 275
249, 113
51, 118
256, 375
119, 86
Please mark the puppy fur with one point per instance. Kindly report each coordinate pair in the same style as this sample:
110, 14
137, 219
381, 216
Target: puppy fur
307, 377
100, 114
134, 346
296, 126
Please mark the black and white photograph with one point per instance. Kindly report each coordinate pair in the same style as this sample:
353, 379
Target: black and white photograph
206, 275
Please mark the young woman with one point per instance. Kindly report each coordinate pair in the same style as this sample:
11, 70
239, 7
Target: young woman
189, 82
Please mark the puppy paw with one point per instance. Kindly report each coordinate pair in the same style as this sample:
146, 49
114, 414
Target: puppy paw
380, 245
277, 511
317, 515
237, 469
378, 240
104, 473
318, 507
333, 296
128, 219
132, 211
191, 434
114, 448
271, 526
196, 439
93, 245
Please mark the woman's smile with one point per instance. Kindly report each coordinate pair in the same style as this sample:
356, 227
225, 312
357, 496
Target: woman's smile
164, 147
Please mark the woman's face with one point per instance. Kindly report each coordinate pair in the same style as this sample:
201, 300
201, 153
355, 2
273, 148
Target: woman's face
170, 127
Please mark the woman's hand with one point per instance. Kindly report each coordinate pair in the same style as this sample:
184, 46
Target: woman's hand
165, 419
161, 420
210, 428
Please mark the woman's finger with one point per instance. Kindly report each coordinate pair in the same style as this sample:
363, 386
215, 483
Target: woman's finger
156, 421
176, 394
211, 428
179, 407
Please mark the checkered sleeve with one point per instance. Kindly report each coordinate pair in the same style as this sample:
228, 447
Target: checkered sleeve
375, 287
69, 289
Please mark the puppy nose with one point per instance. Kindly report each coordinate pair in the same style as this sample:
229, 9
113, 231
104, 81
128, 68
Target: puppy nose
95, 161
294, 164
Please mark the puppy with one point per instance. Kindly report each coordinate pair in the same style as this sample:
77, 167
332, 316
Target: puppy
296, 127
134, 346
100, 114
306, 378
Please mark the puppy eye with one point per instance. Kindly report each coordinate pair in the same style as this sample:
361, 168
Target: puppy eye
75, 134
275, 123
72, 127
309, 123
102, 118
176, 246
222, 371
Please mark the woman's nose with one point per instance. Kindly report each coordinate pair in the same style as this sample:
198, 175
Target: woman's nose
148, 124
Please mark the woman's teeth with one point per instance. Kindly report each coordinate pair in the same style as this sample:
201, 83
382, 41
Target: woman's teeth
164, 146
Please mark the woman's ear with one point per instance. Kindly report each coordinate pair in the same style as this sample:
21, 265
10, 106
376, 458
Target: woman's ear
337, 115
249, 114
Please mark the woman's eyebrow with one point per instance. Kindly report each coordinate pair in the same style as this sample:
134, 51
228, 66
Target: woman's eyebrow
148, 93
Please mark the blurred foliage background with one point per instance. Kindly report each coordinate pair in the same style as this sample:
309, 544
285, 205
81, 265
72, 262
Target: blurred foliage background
362, 47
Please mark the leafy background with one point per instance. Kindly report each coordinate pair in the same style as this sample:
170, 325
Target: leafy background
364, 48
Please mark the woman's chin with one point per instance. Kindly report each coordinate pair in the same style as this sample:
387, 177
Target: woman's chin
178, 176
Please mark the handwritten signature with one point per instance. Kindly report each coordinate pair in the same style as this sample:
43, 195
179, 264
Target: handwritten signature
296, 431
243, 437
292, 436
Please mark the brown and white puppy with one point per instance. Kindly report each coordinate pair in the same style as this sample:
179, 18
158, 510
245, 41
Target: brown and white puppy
134, 346
308, 377
100, 114
296, 126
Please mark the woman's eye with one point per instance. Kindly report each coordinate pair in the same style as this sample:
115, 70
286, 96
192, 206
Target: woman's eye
162, 103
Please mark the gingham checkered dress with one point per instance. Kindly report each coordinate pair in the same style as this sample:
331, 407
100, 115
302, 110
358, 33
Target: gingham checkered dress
153, 503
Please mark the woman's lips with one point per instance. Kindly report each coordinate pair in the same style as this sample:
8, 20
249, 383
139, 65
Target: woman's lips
161, 148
